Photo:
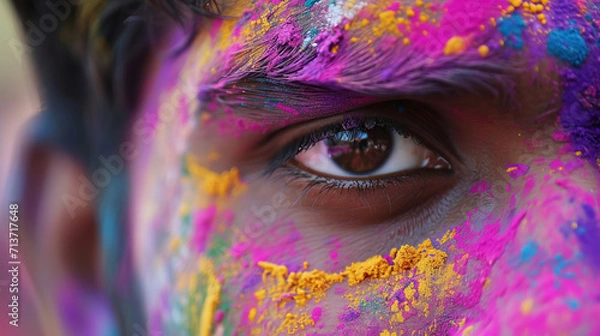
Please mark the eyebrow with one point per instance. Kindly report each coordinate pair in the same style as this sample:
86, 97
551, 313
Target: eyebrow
278, 87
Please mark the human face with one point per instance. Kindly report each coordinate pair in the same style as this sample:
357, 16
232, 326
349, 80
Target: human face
372, 168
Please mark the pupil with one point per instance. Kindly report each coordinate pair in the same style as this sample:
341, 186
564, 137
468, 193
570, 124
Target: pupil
360, 151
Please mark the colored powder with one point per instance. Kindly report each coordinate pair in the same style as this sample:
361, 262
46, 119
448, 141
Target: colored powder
213, 297
349, 315
302, 286
567, 45
310, 3
328, 43
388, 333
203, 223
517, 170
289, 35
529, 250
560, 266
480, 187
252, 314
317, 313
295, 322
573, 304
455, 45
588, 235
483, 50
215, 184
526, 306
512, 29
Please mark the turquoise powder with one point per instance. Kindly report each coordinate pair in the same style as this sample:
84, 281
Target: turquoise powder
310, 3
567, 45
529, 251
512, 29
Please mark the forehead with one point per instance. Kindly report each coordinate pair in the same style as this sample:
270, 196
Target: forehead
324, 27
357, 48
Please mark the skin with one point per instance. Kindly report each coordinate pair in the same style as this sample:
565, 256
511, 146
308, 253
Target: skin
514, 261
495, 293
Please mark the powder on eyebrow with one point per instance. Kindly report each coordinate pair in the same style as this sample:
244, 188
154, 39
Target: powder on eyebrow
455, 45
567, 45
512, 28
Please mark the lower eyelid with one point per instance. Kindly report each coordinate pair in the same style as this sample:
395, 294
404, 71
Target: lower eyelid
382, 198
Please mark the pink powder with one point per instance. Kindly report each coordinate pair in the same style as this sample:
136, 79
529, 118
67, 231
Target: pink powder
480, 187
317, 313
203, 222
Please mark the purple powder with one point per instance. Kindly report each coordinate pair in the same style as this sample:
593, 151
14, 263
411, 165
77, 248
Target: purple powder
349, 315
588, 234
327, 41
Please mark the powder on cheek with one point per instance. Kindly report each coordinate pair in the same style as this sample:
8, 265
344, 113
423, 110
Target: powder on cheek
424, 262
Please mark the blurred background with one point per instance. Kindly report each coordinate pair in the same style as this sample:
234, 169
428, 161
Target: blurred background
18, 98
19, 103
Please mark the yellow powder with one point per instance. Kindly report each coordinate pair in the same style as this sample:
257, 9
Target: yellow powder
455, 45
260, 295
215, 184
516, 3
527, 306
410, 291
387, 23
407, 257
252, 314
213, 297
447, 236
397, 318
468, 331
295, 322
395, 308
387, 17
306, 285
410, 12
483, 50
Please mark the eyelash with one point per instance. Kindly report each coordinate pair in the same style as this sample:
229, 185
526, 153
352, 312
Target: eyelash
360, 186
307, 141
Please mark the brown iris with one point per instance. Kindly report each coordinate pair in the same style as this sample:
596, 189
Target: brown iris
360, 151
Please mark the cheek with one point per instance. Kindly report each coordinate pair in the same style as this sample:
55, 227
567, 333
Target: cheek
545, 279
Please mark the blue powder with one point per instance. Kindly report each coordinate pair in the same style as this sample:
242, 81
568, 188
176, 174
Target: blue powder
512, 29
573, 304
310, 3
529, 251
560, 266
567, 45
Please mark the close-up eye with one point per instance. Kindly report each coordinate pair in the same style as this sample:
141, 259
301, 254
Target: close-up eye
391, 157
368, 151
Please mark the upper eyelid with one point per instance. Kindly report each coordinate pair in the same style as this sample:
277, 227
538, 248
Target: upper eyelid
320, 135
